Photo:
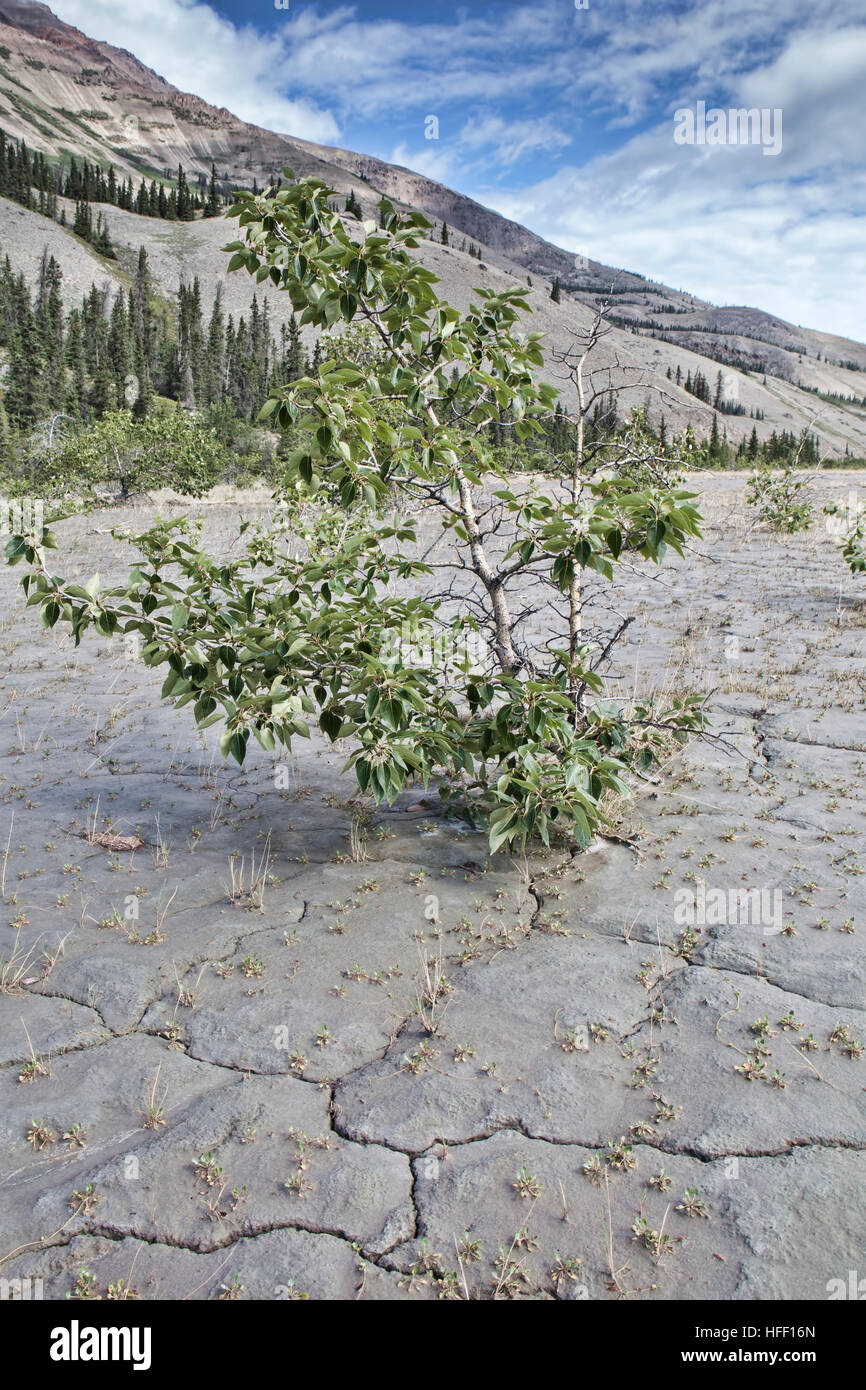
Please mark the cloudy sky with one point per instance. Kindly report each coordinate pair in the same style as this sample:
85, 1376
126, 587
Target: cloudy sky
563, 118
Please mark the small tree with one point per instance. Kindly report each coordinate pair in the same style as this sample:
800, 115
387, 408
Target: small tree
781, 496
556, 291
515, 733
124, 453
214, 201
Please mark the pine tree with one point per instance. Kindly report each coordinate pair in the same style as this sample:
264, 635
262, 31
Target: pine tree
101, 239
102, 395
7, 446
444, 234
188, 367
559, 438
141, 300
49, 307
76, 394
215, 356
83, 224
714, 447
118, 347
556, 292
294, 357
144, 397
214, 201
25, 388
184, 206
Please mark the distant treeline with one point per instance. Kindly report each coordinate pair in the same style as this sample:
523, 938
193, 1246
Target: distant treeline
30, 178
555, 448
121, 349
124, 349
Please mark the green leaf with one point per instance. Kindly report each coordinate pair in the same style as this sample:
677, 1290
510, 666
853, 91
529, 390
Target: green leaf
50, 613
502, 832
330, 723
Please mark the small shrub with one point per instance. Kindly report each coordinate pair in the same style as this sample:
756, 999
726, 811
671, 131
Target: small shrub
780, 498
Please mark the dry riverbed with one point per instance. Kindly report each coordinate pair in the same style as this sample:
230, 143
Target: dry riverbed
215, 1081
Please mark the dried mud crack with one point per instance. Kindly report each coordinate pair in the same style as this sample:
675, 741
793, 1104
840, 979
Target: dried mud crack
374, 1066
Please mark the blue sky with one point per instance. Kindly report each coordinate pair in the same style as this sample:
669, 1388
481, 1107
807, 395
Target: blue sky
563, 118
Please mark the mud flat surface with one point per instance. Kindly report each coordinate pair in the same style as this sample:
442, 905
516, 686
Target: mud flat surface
214, 1040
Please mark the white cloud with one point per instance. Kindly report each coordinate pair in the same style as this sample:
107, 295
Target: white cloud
194, 48
785, 235
481, 142
515, 81
610, 61
818, 82
708, 220
433, 163
510, 141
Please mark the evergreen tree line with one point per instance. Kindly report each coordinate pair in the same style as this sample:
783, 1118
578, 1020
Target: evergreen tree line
122, 349
25, 172
698, 386
22, 170
119, 349
554, 449
781, 448
95, 232
833, 397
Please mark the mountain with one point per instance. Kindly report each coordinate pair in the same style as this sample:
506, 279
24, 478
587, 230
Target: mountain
66, 93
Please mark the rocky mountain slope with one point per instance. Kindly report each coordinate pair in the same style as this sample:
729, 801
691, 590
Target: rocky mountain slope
65, 93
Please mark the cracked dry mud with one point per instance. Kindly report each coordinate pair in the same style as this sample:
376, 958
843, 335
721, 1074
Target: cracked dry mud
262, 1113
